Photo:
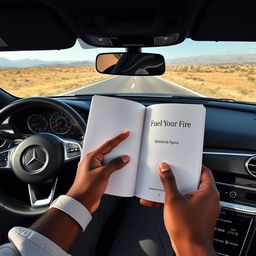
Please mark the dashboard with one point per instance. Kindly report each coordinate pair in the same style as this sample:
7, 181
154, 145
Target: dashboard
57, 122
229, 150
37, 120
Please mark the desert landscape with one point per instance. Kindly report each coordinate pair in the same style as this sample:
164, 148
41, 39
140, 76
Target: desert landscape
47, 81
236, 82
223, 81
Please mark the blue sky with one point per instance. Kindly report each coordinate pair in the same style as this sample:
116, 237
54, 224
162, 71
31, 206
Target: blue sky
186, 49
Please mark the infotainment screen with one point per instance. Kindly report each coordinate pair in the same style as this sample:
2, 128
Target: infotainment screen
231, 233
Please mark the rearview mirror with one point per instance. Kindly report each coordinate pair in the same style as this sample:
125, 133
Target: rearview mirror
130, 64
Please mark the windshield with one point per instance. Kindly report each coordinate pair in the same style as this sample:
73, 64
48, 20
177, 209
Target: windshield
205, 69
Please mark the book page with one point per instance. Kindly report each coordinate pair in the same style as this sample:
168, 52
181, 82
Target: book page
107, 118
172, 133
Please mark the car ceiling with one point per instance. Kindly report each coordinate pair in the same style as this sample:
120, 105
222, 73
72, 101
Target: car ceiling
56, 24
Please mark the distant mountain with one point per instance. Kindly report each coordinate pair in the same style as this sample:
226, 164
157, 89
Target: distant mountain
196, 60
214, 60
24, 63
81, 63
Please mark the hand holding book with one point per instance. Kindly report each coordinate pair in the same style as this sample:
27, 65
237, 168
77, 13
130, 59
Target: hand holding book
189, 219
93, 174
170, 132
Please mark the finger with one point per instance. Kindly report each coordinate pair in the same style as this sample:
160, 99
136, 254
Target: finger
116, 164
168, 180
207, 186
111, 144
206, 177
150, 203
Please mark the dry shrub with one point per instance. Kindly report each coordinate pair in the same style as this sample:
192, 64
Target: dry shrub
222, 81
47, 81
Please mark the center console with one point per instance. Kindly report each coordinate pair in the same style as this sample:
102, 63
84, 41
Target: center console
235, 175
234, 232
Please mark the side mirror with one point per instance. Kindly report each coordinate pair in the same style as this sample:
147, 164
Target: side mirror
130, 64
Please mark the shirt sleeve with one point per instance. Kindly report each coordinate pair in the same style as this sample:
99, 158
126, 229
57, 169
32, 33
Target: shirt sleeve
8, 250
28, 242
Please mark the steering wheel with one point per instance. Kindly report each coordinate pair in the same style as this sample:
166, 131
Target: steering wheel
39, 157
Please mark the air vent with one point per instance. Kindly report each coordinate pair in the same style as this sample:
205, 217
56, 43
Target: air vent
2, 142
250, 166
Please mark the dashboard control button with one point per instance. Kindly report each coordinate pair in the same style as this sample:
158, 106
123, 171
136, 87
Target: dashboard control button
232, 194
73, 149
231, 232
3, 159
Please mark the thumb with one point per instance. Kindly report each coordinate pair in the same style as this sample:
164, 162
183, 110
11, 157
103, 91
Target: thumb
169, 183
116, 164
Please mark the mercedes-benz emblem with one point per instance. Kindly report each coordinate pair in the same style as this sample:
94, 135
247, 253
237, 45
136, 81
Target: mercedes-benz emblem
35, 159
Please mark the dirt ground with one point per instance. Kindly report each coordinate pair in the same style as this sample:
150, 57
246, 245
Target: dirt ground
222, 81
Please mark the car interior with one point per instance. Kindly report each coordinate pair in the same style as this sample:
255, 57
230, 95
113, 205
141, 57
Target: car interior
230, 128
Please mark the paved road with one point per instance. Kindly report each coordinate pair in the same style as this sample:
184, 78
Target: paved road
124, 84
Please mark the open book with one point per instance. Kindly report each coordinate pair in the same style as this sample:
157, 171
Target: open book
163, 132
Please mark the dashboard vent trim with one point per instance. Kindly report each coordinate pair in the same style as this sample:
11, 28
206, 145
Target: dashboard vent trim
2, 142
250, 166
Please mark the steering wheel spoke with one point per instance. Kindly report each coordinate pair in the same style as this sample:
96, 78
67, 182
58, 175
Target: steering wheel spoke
72, 149
5, 159
42, 195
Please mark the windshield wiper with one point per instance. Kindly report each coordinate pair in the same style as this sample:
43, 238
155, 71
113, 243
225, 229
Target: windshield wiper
170, 96
203, 98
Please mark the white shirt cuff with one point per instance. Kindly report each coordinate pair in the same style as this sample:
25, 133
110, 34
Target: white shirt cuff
30, 242
74, 209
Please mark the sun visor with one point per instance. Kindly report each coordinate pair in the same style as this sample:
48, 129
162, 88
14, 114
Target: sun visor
226, 21
32, 27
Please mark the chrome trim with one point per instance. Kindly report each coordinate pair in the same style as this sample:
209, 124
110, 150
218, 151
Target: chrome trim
222, 254
247, 167
41, 202
3, 143
35, 158
238, 207
64, 143
28, 124
228, 153
246, 237
236, 186
6, 121
67, 119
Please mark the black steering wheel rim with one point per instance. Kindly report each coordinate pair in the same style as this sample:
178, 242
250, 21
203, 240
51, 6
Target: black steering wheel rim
43, 102
10, 204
